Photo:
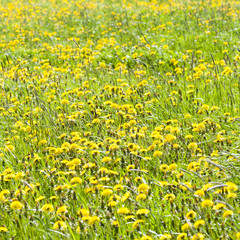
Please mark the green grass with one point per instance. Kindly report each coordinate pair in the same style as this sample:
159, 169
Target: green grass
152, 85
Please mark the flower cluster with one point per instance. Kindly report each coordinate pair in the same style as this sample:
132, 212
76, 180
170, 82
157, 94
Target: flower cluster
119, 119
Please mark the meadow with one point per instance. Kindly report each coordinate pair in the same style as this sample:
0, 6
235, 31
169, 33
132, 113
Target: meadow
120, 119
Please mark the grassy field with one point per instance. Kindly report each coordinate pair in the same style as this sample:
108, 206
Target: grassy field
120, 119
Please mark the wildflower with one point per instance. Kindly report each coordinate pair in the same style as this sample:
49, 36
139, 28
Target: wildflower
187, 116
129, 217
76, 161
198, 236
112, 204
142, 211
164, 168
9, 148
146, 237
19, 175
199, 193
39, 198
106, 192
47, 208
3, 229
157, 153
172, 166
231, 186
3, 193
185, 226
182, 236
62, 209
238, 235
231, 195
207, 203
227, 213
143, 188
191, 214
118, 187
170, 197
93, 220
165, 237
76, 180
219, 206
169, 138
137, 222
123, 210
64, 102
198, 223
115, 223
106, 159
83, 212
59, 225
192, 145
141, 196
125, 196
16, 205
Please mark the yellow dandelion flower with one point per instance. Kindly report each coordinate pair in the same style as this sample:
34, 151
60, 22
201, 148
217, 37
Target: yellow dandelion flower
192, 146
164, 168
106, 159
198, 236
207, 203
123, 210
39, 198
157, 153
170, 197
199, 193
198, 223
169, 138
143, 188
219, 206
165, 237
141, 196
64, 102
142, 211
238, 235
93, 220
47, 208
125, 196
59, 225
62, 209
191, 214
106, 192
83, 212
3, 229
185, 227
182, 236
227, 213
115, 223
76, 180
118, 187
3, 193
112, 204
146, 237
16, 205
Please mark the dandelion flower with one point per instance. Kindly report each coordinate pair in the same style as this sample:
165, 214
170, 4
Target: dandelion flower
123, 210
207, 203
142, 211
227, 213
62, 209
191, 215
16, 205
47, 208
59, 225
198, 223
3, 229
